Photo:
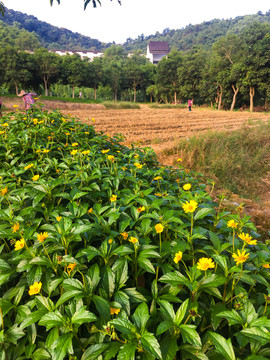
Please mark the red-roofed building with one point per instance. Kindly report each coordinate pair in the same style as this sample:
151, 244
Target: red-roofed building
156, 50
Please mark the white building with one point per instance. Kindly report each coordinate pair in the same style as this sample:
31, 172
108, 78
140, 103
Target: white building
156, 50
83, 53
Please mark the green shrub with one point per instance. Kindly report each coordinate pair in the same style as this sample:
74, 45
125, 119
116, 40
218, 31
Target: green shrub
120, 105
107, 255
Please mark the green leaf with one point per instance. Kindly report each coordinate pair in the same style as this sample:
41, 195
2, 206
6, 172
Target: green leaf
77, 294
62, 346
190, 335
37, 199
103, 307
81, 316
223, 346
73, 284
134, 295
127, 351
112, 350
4, 265
82, 229
164, 326
90, 252
215, 311
94, 351
231, 316
124, 325
32, 318
41, 354
259, 334
174, 278
262, 321
51, 320
248, 313
146, 265
202, 213
150, 343
141, 316
167, 310
213, 281
169, 348
181, 312
5, 306
108, 281
215, 240
191, 352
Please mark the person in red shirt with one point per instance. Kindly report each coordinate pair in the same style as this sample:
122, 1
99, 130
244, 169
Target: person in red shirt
27, 99
189, 104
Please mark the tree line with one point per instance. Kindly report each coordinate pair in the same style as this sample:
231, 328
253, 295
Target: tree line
233, 73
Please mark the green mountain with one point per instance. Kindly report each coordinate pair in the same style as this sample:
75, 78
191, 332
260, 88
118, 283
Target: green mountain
25, 31
203, 35
50, 36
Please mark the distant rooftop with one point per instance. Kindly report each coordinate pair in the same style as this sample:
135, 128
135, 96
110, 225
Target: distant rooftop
159, 46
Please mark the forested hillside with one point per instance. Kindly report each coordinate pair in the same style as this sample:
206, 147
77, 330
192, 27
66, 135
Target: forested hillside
52, 37
203, 35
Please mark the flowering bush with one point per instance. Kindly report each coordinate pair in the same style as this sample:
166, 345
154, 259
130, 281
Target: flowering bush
105, 254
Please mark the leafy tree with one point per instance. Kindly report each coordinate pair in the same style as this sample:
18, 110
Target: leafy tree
190, 73
167, 76
135, 71
94, 74
256, 58
73, 71
47, 66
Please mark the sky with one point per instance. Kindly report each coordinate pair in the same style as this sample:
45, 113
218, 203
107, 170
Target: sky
114, 23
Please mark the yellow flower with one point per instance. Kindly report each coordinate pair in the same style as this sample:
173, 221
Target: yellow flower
42, 236
86, 152
90, 211
138, 165
124, 168
136, 156
74, 144
133, 240
179, 160
35, 177
241, 257
5, 124
158, 194
35, 288
140, 209
64, 120
49, 138
15, 106
41, 122
73, 152
158, 178
111, 158
15, 227
93, 120
205, 263
86, 132
266, 266
232, 224
187, 187
19, 244
190, 206
159, 228
248, 239
70, 268
178, 257
113, 198
125, 235
114, 311
110, 241
58, 218
28, 166
35, 121
2, 132
38, 151
67, 133
4, 191
105, 151
45, 151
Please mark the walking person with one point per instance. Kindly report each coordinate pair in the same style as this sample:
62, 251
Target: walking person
27, 99
189, 104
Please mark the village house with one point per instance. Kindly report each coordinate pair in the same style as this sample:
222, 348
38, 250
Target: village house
156, 50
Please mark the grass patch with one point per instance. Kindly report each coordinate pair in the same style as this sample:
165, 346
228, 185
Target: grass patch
120, 105
168, 106
238, 160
